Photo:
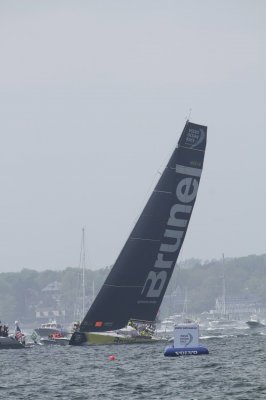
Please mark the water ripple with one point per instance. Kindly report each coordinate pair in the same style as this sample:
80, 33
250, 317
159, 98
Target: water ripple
234, 369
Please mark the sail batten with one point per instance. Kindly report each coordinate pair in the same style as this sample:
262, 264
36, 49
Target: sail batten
139, 238
162, 191
137, 282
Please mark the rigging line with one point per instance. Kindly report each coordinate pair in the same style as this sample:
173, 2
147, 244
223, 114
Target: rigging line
152, 185
144, 239
150, 188
191, 148
81, 250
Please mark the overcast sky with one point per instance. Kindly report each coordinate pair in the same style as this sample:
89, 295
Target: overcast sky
93, 98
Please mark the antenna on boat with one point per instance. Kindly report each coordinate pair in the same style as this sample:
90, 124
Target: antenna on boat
189, 114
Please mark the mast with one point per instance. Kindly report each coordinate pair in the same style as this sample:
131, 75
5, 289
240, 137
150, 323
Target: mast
184, 312
81, 287
83, 265
83, 272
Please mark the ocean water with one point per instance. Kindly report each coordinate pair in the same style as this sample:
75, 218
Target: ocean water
234, 369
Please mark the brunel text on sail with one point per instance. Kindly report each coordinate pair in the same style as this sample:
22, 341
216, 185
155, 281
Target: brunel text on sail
186, 192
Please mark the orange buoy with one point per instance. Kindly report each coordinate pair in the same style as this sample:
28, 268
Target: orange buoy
112, 358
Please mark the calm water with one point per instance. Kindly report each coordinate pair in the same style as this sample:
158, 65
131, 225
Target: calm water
234, 369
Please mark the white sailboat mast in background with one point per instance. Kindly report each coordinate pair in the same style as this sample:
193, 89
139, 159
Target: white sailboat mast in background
83, 264
224, 291
81, 287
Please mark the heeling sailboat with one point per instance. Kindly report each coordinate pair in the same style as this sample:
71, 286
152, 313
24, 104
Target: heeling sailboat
135, 286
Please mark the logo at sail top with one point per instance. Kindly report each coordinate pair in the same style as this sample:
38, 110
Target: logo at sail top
186, 191
194, 137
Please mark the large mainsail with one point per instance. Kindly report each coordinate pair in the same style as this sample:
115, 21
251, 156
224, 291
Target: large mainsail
135, 286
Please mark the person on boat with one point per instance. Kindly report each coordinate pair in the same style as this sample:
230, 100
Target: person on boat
56, 335
132, 324
150, 328
5, 331
147, 330
76, 326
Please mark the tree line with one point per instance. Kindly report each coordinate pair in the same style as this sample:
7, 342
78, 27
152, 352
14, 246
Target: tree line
21, 293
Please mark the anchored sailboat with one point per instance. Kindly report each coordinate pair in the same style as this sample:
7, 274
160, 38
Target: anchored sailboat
135, 286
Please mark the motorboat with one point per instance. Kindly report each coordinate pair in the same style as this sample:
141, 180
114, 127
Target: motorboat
55, 339
10, 342
255, 322
49, 328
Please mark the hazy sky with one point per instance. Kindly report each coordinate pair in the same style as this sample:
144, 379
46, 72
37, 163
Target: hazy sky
93, 98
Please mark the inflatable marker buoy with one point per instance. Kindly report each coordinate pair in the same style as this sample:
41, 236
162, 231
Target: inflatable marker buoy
112, 357
186, 342
188, 351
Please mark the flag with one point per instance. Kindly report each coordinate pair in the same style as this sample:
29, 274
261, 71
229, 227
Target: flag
19, 335
34, 336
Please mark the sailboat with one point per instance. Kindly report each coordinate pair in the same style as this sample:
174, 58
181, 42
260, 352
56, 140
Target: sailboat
136, 284
54, 336
255, 322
